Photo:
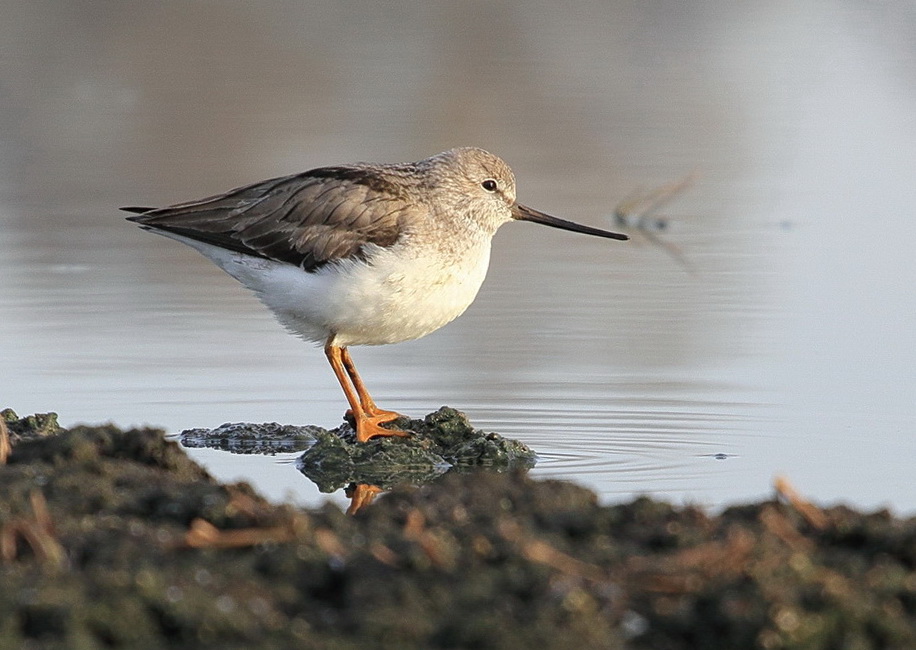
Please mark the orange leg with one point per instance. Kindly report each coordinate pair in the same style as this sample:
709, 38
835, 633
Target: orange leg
366, 415
365, 399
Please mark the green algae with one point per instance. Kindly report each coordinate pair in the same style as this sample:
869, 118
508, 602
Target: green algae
440, 442
31, 426
249, 438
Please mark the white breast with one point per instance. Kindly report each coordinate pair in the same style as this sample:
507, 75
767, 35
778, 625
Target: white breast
401, 294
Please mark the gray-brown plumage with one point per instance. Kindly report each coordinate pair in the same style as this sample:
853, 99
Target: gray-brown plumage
306, 219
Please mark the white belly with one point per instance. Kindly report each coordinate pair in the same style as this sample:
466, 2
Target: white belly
402, 295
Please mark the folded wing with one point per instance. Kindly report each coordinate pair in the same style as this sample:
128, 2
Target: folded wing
308, 219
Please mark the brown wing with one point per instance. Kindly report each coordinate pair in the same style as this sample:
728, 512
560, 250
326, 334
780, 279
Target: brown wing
307, 219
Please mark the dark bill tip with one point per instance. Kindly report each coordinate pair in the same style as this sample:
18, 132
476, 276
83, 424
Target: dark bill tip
524, 213
135, 209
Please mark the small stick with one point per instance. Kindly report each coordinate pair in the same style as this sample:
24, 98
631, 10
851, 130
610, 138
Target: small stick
812, 514
5, 447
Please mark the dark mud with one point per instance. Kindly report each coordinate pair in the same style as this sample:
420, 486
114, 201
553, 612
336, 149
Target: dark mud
114, 539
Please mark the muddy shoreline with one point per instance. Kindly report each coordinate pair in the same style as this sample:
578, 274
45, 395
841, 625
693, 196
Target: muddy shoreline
115, 538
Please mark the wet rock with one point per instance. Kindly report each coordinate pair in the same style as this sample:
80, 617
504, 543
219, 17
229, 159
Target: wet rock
31, 426
248, 438
333, 463
441, 441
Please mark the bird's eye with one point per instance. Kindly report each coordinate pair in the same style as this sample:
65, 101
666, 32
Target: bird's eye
489, 185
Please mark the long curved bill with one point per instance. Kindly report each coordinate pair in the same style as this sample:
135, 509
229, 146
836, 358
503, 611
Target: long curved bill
524, 213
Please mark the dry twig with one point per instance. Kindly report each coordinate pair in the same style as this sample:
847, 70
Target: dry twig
812, 514
5, 446
203, 534
37, 531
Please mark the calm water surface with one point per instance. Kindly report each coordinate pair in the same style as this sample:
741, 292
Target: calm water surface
787, 344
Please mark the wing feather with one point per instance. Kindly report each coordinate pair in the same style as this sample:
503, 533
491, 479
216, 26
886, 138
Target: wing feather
308, 219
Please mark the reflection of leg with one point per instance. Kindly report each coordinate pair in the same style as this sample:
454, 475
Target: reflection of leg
365, 399
366, 423
361, 495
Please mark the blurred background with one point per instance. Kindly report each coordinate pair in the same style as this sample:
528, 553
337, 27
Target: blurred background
762, 321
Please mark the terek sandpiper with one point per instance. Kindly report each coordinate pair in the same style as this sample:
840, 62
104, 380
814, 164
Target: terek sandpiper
360, 254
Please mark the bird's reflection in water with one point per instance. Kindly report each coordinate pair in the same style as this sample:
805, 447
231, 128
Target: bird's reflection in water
360, 495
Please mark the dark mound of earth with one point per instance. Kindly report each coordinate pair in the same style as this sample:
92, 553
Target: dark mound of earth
115, 539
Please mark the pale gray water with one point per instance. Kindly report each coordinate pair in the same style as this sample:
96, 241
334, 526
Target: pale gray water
791, 347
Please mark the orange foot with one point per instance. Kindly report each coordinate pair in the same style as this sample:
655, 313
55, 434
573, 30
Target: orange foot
368, 426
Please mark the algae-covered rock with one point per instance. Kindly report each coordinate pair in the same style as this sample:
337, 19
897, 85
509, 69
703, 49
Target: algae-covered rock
248, 438
333, 459
334, 462
461, 444
441, 441
31, 426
